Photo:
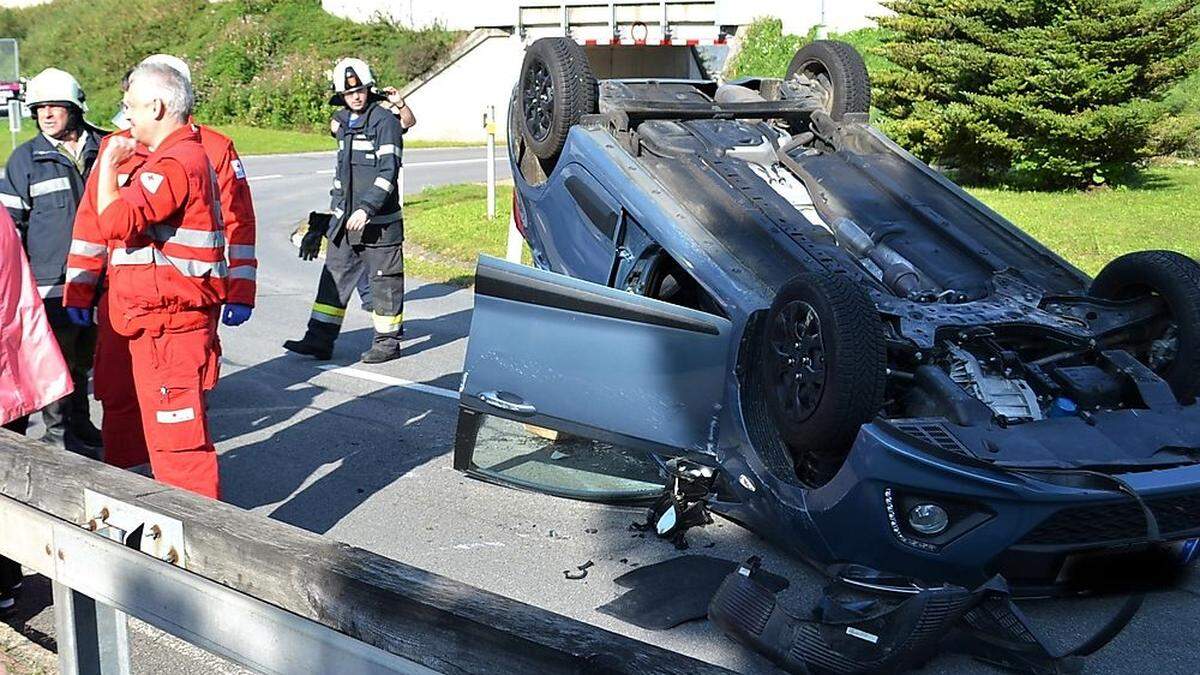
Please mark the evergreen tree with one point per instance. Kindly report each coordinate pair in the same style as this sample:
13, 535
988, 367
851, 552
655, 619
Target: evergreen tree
1035, 93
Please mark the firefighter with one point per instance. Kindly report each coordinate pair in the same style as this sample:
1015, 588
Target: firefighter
167, 274
43, 182
367, 227
114, 387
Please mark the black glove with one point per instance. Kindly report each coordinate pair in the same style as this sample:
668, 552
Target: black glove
310, 244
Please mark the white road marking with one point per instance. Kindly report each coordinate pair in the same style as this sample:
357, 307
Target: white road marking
266, 177
389, 381
474, 160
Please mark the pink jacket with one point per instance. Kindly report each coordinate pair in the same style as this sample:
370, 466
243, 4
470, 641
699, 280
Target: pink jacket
33, 373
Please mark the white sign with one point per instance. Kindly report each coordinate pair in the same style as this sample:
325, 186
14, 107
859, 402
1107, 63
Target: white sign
14, 115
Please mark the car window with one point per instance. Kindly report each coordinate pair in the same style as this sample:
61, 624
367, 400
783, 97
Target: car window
599, 213
544, 460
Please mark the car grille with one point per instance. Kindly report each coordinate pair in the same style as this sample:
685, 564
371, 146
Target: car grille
1117, 521
931, 432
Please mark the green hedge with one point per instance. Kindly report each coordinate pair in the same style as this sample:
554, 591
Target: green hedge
767, 50
255, 62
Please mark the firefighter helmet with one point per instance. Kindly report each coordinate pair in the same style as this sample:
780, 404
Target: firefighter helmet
54, 86
351, 75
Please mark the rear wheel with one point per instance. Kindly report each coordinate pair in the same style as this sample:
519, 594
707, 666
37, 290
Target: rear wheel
824, 367
837, 75
1174, 351
556, 88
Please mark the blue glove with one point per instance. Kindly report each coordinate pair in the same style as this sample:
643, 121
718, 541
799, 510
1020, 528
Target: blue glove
236, 315
79, 316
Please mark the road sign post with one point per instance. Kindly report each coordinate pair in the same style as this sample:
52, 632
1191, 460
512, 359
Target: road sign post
14, 119
489, 124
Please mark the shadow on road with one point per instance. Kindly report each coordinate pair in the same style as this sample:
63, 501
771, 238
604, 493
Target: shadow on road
316, 462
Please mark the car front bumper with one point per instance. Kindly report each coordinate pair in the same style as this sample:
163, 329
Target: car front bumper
1023, 525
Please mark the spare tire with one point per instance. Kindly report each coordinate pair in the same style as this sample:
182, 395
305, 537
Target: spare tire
1175, 354
556, 87
824, 361
839, 73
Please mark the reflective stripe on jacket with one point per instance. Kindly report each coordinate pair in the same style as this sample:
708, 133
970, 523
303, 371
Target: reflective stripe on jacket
237, 210
166, 253
89, 250
40, 191
368, 174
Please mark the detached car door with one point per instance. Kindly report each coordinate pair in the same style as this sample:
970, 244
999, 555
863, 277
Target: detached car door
575, 389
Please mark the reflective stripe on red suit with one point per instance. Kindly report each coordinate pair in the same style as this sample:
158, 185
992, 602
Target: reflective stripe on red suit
167, 277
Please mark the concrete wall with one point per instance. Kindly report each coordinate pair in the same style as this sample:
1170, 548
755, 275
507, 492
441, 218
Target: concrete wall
450, 105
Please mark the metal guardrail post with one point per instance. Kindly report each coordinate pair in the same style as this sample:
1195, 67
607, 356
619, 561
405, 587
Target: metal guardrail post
93, 639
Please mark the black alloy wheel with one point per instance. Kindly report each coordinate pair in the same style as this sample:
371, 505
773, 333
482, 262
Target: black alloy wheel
823, 365
537, 100
800, 359
557, 88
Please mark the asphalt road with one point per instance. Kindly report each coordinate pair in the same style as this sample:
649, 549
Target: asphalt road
362, 454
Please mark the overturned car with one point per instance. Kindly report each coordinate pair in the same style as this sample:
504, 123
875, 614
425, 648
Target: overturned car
877, 367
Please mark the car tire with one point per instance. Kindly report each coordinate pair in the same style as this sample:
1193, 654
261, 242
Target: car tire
819, 404
557, 87
1176, 279
841, 71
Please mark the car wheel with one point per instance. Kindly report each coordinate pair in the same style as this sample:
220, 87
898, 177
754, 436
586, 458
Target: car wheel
824, 364
1175, 353
557, 87
837, 72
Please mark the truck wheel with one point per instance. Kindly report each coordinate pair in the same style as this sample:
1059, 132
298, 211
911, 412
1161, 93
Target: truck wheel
557, 88
1175, 353
824, 362
839, 74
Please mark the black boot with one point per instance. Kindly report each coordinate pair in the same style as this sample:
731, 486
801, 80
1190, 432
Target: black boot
382, 350
79, 418
310, 347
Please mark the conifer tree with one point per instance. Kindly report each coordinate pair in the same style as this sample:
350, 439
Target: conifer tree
1034, 93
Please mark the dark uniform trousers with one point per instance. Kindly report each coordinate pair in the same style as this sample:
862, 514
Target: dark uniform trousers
345, 264
78, 345
367, 177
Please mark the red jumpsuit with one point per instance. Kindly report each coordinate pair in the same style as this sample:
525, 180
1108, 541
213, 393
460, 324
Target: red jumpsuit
123, 429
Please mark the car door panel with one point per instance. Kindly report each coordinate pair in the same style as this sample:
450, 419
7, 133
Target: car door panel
577, 219
551, 351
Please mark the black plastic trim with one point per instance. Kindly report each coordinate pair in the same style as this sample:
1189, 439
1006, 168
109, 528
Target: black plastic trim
507, 285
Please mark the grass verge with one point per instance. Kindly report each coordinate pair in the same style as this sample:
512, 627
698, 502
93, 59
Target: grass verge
1091, 228
256, 141
446, 228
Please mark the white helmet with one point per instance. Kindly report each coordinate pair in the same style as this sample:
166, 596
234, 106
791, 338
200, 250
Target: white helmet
54, 86
351, 75
171, 62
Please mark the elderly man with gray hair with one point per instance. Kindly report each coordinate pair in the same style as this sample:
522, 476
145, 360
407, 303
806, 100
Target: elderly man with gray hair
167, 273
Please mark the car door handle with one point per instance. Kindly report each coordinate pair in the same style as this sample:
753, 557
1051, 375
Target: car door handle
493, 399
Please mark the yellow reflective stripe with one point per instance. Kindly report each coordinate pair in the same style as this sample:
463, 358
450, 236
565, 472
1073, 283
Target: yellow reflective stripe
328, 310
387, 324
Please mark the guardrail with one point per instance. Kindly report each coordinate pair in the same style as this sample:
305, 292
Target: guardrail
261, 593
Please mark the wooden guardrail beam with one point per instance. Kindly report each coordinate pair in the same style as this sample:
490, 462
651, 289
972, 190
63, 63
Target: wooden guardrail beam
438, 622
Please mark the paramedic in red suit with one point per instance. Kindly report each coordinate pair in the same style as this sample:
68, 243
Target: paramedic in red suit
113, 383
167, 274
